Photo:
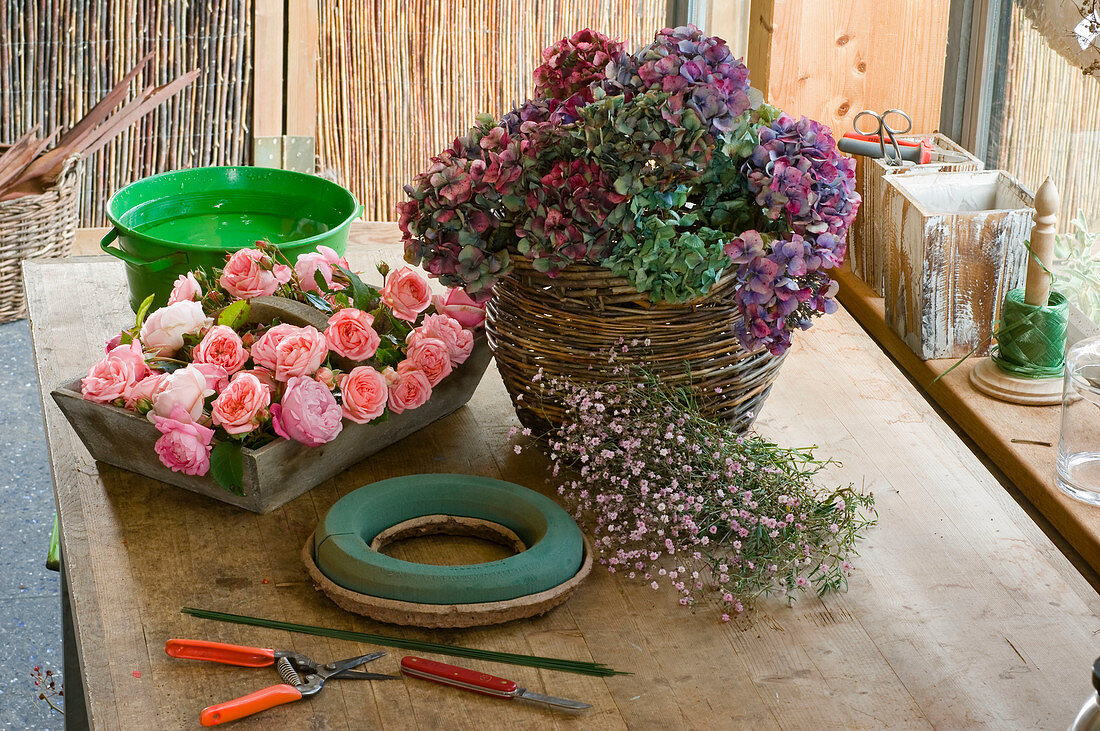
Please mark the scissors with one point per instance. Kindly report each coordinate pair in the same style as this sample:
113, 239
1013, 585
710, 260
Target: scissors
883, 131
301, 675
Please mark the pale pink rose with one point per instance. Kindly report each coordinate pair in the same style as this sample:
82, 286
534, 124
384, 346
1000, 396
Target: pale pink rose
460, 342
365, 394
216, 376
185, 446
113, 377
143, 391
324, 260
300, 353
251, 273
164, 329
185, 388
263, 350
326, 377
350, 333
408, 387
308, 413
406, 293
221, 346
430, 357
133, 356
242, 406
461, 307
185, 289
266, 377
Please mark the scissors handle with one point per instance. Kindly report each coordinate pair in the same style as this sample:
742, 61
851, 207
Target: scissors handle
249, 657
246, 705
896, 130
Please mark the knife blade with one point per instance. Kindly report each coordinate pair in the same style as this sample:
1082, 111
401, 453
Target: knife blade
472, 680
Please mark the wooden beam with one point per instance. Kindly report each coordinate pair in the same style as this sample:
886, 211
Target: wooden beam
267, 69
759, 53
301, 68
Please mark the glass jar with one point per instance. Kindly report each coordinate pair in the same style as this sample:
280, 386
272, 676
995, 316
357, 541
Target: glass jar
1079, 442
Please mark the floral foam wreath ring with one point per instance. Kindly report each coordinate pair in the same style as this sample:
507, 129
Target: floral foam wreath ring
347, 564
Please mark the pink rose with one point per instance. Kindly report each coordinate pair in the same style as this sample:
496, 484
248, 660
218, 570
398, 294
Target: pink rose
300, 353
324, 260
326, 377
143, 391
408, 387
460, 342
461, 307
350, 333
266, 377
163, 330
185, 388
308, 413
263, 350
185, 446
113, 343
365, 394
113, 377
251, 273
221, 346
185, 289
406, 293
242, 406
216, 376
430, 357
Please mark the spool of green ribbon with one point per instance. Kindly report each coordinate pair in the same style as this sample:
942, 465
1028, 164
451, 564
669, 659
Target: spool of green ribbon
1031, 339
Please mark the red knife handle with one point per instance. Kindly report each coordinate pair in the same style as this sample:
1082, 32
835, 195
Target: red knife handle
249, 657
246, 705
458, 677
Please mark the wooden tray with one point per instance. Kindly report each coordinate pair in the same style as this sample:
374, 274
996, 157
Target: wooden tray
445, 615
280, 470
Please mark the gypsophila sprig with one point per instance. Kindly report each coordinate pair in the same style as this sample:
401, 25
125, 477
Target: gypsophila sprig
677, 500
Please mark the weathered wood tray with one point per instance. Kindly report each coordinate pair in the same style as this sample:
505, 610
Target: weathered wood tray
278, 471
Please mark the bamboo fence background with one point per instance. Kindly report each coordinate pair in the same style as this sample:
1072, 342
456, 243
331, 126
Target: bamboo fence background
1050, 123
58, 57
398, 80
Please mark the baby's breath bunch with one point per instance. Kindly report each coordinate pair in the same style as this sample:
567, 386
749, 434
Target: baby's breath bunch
675, 498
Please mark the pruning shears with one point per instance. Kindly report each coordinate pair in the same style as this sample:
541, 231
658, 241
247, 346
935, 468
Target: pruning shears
301, 675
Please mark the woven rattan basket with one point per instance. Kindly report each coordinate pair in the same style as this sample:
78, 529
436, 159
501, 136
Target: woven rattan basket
35, 226
562, 325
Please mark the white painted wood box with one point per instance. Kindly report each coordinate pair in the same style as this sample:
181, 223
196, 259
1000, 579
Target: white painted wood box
954, 247
866, 243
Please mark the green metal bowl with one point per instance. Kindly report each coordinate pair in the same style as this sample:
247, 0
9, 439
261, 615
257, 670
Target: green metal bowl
175, 222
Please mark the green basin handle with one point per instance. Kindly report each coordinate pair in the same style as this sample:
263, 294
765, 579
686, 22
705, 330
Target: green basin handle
155, 265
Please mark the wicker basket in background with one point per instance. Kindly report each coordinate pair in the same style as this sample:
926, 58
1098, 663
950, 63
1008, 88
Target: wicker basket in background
36, 226
562, 326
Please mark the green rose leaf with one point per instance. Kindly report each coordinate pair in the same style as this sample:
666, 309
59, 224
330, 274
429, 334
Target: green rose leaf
227, 466
236, 314
143, 310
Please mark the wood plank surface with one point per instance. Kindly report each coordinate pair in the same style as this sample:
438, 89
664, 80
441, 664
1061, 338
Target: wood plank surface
961, 612
1006, 433
830, 60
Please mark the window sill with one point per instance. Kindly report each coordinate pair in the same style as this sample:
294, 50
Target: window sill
1004, 432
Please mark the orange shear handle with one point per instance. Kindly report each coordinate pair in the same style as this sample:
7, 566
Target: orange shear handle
249, 657
246, 705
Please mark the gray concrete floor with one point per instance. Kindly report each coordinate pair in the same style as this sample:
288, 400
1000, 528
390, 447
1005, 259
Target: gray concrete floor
30, 610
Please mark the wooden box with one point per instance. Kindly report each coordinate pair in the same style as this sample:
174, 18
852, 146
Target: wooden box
954, 247
278, 471
866, 241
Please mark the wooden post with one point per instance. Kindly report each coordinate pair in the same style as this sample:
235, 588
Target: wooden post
759, 56
267, 84
301, 68
1047, 201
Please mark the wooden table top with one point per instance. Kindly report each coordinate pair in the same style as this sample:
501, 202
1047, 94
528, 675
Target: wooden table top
961, 613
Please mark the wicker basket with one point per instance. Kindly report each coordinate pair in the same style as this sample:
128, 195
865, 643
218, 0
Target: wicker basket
36, 226
560, 325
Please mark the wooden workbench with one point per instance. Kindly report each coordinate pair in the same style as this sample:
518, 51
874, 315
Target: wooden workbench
961, 612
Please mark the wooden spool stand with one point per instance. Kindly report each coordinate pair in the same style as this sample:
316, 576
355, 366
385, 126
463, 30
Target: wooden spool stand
986, 376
